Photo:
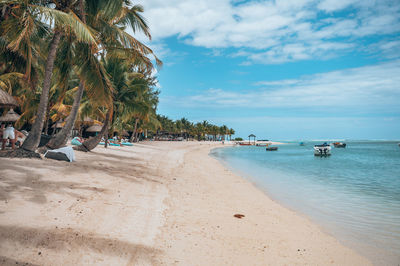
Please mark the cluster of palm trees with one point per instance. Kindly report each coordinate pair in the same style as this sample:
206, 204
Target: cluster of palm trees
73, 59
201, 130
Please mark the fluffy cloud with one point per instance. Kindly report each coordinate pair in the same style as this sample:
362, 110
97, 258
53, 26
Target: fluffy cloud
273, 31
371, 87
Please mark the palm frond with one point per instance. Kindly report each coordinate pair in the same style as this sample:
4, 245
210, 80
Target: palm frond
69, 22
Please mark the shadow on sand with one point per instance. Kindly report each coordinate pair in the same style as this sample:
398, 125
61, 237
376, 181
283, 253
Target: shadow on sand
68, 240
34, 178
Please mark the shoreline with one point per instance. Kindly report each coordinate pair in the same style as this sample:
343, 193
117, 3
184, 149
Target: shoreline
156, 203
291, 245
344, 224
355, 246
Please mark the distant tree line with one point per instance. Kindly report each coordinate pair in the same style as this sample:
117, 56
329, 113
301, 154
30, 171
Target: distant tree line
186, 129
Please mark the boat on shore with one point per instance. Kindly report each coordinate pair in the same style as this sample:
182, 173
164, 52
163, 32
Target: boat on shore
271, 148
322, 150
339, 145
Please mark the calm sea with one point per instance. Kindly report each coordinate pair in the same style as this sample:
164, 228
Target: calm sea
354, 194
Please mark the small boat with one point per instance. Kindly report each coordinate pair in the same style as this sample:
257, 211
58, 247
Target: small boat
261, 145
322, 150
271, 148
245, 144
339, 145
302, 144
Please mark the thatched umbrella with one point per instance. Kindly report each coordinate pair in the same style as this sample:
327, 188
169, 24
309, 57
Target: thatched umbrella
11, 116
94, 128
6, 99
87, 120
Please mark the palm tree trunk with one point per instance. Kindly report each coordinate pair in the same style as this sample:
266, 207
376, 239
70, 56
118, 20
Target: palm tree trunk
91, 143
137, 137
46, 122
106, 139
133, 137
32, 141
61, 138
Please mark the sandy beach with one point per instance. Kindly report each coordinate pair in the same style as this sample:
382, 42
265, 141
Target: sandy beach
157, 203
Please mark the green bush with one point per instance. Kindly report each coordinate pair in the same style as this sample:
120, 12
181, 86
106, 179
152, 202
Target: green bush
238, 139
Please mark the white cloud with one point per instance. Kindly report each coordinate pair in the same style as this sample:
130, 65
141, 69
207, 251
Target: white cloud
272, 31
335, 5
370, 87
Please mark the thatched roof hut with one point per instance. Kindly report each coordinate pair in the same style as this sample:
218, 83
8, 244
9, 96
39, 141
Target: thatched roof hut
94, 128
7, 100
11, 116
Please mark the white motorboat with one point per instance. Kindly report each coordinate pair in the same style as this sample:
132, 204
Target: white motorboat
322, 150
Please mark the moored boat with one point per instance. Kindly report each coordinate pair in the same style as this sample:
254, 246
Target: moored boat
302, 144
322, 150
245, 144
339, 145
271, 148
261, 145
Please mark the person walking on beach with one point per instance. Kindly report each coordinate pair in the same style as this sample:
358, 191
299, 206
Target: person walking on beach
8, 133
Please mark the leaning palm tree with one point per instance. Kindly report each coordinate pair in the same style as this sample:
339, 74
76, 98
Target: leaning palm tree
61, 20
108, 18
131, 95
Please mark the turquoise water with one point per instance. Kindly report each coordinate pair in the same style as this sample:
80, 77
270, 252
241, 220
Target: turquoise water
353, 194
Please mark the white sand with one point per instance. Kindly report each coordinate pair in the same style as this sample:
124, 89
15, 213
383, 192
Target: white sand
155, 203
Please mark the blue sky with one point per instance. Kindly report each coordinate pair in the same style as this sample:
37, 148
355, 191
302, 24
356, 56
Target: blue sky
291, 69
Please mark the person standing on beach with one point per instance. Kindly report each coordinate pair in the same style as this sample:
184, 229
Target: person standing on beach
8, 133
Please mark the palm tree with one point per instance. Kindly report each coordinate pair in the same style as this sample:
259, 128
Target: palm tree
144, 107
223, 131
186, 126
231, 132
61, 138
132, 97
108, 17
199, 130
33, 13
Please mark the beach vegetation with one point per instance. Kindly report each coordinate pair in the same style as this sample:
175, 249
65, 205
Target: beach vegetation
58, 49
72, 64
189, 130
